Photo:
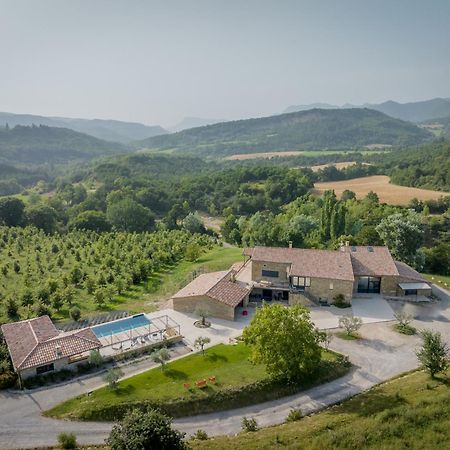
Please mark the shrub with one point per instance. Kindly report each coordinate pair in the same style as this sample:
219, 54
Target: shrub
7, 380
75, 313
434, 352
200, 435
294, 415
67, 440
351, 324
112, 377
149, 429
249, 424
95, 358
403, 326
340, 302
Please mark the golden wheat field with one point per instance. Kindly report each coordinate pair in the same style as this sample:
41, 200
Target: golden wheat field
387, 192
266, 155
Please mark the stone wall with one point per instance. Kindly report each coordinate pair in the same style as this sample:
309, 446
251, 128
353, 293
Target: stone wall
297, 298
281, 268
58, 364
320, 288
215, 308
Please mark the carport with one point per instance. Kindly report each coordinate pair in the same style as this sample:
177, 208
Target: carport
414, 289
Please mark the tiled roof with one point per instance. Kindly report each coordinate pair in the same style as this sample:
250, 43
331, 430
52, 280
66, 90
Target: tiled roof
371, 261
36, 342
216, 285
308, 262
406, 271
201, 285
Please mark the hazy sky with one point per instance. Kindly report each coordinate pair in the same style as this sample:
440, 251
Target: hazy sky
158, 61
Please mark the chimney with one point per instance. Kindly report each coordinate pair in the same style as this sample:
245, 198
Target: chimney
58, 351
233, 277
290, 244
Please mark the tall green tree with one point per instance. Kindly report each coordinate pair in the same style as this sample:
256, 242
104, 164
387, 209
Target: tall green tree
11, 211
285, 340
128, 215
43, 217
403, 234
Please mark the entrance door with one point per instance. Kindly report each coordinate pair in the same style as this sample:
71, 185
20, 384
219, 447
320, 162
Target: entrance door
267, 294
369, 285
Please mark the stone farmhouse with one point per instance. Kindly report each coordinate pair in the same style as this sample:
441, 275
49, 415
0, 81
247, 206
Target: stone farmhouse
301, 276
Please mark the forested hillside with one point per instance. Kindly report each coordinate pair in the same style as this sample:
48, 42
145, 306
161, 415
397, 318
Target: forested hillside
314, 129
109, 130
42, 144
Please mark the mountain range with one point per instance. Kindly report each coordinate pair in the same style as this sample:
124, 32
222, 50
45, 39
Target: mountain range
435, 108
193, 122
311, 129
108, 130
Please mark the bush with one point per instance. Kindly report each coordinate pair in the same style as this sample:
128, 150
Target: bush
112, 377
7, 380
200, 435
294, 415
75, 313
434, 352
149, 429
340, 302
350, 324
249, 424
67, 440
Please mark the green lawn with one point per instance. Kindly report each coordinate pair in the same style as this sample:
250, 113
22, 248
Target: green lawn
411, 412
440, 280
229, 364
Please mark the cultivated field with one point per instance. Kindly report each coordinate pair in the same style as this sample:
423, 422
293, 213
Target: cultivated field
265, 155
338, 165
388, 193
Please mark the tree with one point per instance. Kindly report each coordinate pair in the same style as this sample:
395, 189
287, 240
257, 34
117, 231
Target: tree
128, 215
193, 223
91, 220
145, 430
285, 340
203, 313
161, 356
42, 216
434, 352
200, 343
95, 358
193, 251
347, 195
403, 235
11, 211
12, 309
113, 376
351, 324
75, 313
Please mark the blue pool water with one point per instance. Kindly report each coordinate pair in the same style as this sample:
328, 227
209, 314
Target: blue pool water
120, 325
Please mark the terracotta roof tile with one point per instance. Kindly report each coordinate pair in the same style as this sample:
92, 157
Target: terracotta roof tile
372, 261
308, 262
201, 285
35, 342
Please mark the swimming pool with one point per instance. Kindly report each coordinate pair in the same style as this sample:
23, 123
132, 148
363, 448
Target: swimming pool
107, 329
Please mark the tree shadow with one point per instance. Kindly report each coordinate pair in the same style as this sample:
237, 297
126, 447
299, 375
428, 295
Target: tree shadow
213, 357
175, 374
371, 403
124, 390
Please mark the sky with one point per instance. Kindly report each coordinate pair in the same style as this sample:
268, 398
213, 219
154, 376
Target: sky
156, 62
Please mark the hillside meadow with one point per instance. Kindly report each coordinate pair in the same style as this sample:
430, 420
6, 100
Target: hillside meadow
387, 192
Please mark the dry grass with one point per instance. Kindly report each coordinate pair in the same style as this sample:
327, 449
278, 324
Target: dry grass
266, 155
338, 165
388, 193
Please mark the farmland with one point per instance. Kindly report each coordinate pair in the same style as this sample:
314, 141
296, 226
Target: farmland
387, 192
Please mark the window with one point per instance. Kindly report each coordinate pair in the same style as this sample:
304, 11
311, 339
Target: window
331, 286
410, 291
44, 369
301, 282
270, 273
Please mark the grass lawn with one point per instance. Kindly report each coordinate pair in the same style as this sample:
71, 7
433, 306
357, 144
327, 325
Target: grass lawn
440, 280
410, 412
228, 363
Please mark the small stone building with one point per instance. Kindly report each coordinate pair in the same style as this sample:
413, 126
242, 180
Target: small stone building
36, 346
218, 292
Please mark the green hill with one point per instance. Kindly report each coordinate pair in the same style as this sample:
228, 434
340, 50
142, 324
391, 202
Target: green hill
42, 144
313, 129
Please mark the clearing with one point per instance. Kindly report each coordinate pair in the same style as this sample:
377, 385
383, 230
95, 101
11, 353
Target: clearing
338, 165
174, 389
412, 411
266, 155
387, 192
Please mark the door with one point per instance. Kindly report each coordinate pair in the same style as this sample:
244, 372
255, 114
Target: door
369, 285
267, 294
